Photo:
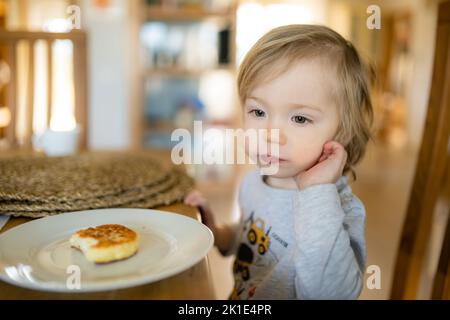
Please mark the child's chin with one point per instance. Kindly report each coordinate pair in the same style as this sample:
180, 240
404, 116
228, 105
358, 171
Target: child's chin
278, 172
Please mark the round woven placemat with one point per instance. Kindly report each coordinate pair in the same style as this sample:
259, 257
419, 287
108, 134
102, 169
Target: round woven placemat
37, 186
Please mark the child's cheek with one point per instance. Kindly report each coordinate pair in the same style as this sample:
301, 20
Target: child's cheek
307, 156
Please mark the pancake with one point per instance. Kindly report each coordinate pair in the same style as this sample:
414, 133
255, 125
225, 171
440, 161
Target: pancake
106, 243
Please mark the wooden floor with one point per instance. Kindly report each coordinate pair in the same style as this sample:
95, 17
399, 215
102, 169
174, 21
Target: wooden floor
383, 184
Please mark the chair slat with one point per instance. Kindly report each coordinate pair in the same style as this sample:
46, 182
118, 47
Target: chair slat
80, 84
11, 93
49, 80
441, 285
30, 95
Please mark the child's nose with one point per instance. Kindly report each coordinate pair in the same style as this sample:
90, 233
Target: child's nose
276, 135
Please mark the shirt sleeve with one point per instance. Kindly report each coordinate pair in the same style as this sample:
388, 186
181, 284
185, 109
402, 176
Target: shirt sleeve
330, 252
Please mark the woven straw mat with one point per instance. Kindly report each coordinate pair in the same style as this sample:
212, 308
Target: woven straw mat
38, 186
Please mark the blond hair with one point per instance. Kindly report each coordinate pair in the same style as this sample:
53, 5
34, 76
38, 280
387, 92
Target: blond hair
275, 51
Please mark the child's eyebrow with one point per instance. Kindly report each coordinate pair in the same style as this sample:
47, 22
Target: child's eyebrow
302, 106
291, 105
257, 99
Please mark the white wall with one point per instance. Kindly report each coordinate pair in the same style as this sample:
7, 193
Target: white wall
109, 87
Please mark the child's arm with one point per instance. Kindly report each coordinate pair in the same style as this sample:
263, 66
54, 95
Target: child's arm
329, 229
224, 236
330, 253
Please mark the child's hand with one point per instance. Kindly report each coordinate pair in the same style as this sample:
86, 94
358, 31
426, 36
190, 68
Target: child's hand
223, 235
328, 169
196, 199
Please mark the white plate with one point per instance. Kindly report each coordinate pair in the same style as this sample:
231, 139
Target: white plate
37, 254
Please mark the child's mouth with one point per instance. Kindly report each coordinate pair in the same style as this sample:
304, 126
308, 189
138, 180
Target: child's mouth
269, 159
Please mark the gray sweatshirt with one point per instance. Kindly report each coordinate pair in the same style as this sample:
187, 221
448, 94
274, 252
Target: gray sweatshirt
298, 244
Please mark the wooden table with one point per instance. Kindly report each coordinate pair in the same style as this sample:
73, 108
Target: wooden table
195, 283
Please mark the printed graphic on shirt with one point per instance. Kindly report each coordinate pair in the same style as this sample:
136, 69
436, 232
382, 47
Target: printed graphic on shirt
255, 257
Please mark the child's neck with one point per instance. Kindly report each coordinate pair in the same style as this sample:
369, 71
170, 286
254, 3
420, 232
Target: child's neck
282, 183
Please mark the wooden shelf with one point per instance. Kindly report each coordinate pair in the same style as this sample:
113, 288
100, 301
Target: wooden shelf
184, 14
172, 72
15, 36
185, 73
162, 126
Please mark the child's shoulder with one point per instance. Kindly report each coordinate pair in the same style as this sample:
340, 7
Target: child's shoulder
349, 200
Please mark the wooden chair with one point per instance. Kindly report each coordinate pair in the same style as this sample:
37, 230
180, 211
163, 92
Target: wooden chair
441, 285
9, 41
431, 180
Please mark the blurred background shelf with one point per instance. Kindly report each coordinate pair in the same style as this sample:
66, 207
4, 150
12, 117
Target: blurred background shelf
188, 62
180, 72
184, 14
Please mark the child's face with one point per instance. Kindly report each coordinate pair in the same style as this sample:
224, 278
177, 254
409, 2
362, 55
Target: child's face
299, 103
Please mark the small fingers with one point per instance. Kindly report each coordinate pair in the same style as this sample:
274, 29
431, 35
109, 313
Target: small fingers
196, 199
334, 149
193, 197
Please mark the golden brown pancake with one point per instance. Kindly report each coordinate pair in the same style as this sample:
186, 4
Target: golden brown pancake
106, 243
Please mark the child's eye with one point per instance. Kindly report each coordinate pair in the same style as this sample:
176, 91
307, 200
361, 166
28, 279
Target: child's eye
300, 119
257, 112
